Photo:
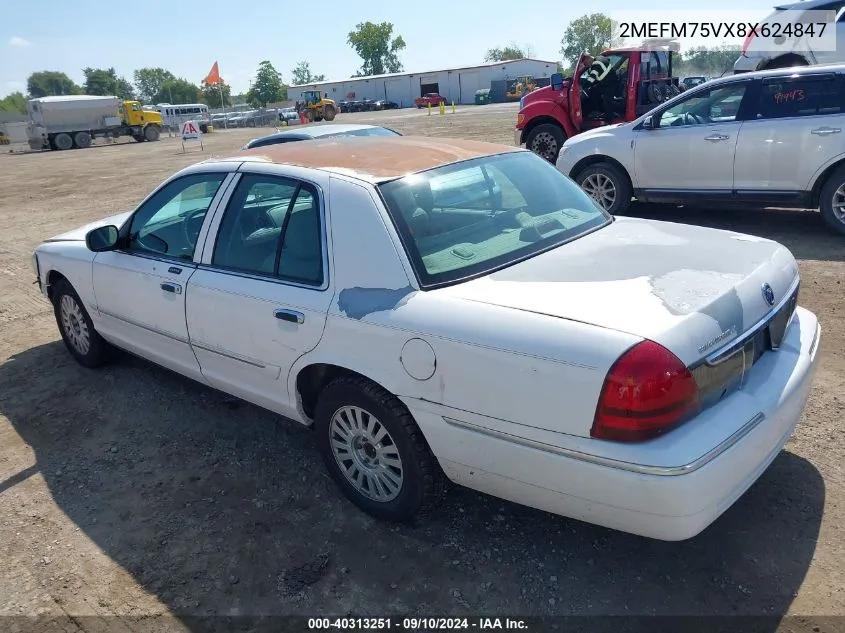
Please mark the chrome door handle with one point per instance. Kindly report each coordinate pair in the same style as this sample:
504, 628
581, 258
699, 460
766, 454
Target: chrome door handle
169, 286
716, 137
824, 131
289, 315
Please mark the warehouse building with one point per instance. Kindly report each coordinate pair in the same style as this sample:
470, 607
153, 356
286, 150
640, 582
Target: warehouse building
458, 84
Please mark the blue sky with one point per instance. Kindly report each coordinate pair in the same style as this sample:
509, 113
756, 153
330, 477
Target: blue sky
189, 37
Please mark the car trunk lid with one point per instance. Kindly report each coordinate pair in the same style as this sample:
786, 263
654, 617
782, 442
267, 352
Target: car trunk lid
694, 290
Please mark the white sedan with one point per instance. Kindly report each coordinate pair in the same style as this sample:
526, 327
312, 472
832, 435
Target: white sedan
634, 374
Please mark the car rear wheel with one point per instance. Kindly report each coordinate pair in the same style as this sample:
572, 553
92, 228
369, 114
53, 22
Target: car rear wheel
607, 185
83, 342
546, 140
832, 201
374, 450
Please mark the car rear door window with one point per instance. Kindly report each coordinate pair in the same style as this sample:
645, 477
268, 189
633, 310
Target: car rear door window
800, 96
272, 227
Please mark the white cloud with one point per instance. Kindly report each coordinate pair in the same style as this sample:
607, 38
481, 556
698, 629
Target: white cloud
19, 42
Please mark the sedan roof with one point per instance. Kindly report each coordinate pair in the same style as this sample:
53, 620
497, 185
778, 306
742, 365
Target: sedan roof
371, 158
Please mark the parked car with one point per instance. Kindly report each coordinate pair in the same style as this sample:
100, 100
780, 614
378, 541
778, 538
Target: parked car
288, 114
385, 104
311, 132
429, 99
768, 138
767, 53
368, 105
693, 81
636, 374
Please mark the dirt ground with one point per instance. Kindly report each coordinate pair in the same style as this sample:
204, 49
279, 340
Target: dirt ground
131, 492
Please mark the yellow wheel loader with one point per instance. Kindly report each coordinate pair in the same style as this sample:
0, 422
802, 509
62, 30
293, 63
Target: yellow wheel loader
316, 107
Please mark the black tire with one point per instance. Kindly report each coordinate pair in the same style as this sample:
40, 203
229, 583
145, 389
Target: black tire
152, 133
63, 141
422, 479
82, 140
139, 137
546, 140
833, 217
98, 350
618, 178
329, 113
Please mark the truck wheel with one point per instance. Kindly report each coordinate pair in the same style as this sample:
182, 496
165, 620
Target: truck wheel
329, 113
63, 141
82, 140
546, 140
832, 201
375, 451
607, 185
151, 133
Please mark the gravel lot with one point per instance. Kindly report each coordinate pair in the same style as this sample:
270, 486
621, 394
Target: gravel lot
130, 491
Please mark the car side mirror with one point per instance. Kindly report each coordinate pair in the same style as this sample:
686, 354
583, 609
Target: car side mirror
103, 238
648, 123
557, 81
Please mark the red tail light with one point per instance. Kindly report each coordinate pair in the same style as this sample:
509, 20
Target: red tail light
647, 392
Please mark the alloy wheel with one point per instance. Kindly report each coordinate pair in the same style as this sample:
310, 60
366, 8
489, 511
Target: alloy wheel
366, 453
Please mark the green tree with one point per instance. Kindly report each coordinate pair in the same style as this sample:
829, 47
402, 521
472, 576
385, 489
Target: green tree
590, 33
178, 91
373, 44
511, 51
706, 61
104, 81
149, 81
267, 87
14, 103
211, 94
302, 75
47, 83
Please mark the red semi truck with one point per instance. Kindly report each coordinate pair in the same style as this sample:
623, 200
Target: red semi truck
640, 79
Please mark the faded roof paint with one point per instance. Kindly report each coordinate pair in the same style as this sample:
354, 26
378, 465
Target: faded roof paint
372, 158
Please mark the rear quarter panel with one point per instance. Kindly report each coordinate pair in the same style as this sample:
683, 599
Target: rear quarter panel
518, 367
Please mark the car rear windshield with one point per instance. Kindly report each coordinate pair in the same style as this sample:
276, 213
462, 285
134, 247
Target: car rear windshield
476, 216
369, 131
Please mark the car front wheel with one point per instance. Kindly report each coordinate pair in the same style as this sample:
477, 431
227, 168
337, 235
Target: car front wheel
832, 201
77, 330
374, 450
607, 185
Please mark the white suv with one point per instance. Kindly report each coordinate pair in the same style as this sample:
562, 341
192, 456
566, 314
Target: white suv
769, 138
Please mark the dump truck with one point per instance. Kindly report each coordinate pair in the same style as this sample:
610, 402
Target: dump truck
72, 121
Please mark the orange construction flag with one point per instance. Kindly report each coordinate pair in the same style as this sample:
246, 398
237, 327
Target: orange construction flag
213, 77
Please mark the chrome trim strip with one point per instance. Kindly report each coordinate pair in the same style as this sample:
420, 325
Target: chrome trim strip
230, 355
144, 327
643, 469
816, 338
726, 351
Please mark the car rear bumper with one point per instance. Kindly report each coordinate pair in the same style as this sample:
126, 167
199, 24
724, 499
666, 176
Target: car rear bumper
670, 504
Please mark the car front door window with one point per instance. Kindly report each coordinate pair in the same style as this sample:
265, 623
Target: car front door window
717, 105
170, 221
